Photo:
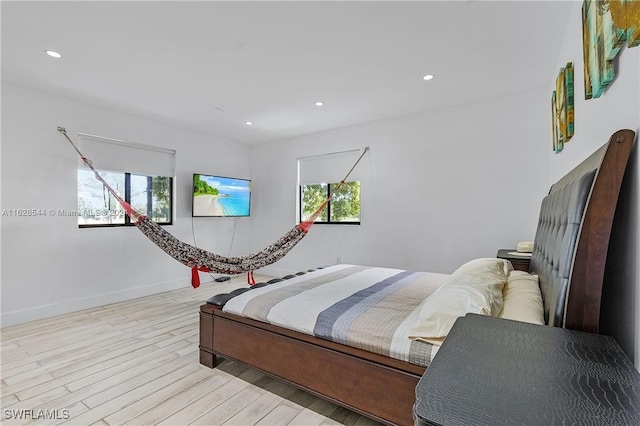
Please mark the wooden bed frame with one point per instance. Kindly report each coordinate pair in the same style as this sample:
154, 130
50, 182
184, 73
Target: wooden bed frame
383, 388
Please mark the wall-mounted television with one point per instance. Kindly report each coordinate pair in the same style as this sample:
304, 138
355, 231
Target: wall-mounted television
219, 196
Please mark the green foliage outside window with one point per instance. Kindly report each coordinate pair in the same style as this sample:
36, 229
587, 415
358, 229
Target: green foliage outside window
161, 192
345, 204
312, 197
344, 207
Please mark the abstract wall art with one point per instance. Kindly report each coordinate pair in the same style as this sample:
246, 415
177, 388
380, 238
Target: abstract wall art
626, 17
562, 114
606, 25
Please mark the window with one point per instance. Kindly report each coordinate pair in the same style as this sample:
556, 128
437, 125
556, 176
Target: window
149, 195
343, 208
140, 174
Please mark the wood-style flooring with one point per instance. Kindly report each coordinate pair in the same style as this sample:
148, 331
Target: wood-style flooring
136, 363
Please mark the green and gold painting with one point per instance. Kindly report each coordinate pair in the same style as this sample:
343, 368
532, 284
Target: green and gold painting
606, 25
555, 137
626, 16
562, 108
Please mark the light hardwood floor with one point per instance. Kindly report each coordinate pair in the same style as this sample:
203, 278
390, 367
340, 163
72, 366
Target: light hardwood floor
136, 363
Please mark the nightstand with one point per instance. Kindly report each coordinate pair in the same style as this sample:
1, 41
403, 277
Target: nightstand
520, 262
492, 371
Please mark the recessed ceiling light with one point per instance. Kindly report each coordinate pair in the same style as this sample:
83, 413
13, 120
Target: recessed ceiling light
427, 77
249, 123
319, 103
53, 54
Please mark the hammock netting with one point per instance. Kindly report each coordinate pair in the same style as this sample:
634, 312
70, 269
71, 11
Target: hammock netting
193, 256
205, 261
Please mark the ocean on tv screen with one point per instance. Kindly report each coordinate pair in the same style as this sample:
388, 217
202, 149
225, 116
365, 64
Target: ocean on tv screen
221, 196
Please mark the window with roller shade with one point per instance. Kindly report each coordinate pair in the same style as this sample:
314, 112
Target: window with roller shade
319, 177
141, 174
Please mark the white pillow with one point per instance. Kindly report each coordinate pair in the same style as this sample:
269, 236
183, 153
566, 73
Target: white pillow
522, 298
475, 287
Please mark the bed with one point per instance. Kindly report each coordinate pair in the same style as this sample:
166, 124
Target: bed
378, 381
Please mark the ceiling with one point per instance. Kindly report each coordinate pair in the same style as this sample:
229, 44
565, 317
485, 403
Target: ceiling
211, 66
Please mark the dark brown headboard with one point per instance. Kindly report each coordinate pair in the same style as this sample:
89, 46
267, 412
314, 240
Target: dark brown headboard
572, 238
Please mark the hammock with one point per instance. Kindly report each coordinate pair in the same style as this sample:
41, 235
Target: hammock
201, 260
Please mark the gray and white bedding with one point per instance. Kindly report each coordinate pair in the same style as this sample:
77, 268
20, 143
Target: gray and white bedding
371, 308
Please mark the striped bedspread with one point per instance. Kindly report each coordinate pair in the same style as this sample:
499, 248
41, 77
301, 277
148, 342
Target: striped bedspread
366, 307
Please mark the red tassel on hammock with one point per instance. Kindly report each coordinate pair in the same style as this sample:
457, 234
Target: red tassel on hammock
250, 279
195, 277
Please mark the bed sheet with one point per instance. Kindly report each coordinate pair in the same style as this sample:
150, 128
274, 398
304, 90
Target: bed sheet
366, 307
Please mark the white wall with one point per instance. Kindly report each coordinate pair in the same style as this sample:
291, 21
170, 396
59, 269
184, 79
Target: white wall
444, 187
595, 121
49, 266
454, 184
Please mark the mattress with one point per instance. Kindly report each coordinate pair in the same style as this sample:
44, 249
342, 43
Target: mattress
366, 307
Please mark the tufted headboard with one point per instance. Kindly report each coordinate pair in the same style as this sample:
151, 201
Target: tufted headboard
572, 238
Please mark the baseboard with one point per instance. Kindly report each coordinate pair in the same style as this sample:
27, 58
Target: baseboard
74, 305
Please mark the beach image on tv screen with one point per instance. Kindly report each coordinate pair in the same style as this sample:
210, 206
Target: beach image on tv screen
221, 196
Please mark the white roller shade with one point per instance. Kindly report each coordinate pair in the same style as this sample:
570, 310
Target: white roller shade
119, 156
330, 168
